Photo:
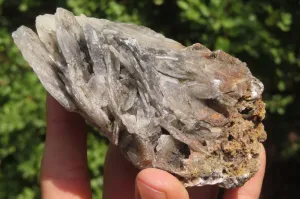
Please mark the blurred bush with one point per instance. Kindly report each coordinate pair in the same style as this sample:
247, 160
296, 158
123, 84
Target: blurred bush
265, 34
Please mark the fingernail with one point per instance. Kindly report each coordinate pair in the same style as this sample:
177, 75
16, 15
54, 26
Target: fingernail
143, 191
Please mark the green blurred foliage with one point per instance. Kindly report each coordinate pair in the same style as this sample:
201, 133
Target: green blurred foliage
264, 34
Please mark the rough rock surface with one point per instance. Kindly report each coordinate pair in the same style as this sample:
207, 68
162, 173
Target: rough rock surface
192, 112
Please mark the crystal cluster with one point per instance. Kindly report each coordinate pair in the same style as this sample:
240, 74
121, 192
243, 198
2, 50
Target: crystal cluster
189, 111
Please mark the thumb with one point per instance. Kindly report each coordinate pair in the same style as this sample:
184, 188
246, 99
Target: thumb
158, 184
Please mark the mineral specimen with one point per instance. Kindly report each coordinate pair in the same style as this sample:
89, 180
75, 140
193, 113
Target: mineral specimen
189, 111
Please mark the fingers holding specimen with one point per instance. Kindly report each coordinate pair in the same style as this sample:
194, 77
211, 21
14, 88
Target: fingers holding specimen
158, 184
64, 172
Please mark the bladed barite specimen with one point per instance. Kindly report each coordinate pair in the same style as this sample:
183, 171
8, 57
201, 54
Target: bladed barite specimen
189, 111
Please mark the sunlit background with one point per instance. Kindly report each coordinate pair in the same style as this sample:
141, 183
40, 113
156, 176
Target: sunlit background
265, 34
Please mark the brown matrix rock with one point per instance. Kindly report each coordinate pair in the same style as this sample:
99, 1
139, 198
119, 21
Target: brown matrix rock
189, 111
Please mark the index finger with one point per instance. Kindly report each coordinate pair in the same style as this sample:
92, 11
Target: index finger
64, 172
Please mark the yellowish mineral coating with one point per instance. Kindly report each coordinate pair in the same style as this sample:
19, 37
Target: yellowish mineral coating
239, 150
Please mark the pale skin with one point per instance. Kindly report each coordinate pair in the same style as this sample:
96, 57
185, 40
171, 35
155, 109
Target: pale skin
64, 172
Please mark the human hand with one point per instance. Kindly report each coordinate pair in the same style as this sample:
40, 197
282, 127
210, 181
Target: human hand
64, 172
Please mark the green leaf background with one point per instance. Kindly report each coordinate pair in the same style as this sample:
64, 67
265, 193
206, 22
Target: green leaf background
264, 34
